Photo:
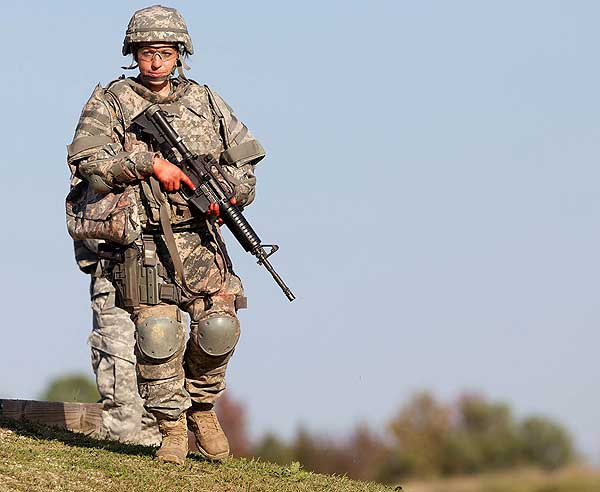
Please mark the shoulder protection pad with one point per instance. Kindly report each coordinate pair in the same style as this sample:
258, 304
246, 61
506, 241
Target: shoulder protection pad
82, 144
250, 151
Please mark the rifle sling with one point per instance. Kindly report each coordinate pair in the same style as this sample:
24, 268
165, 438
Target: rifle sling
165, 223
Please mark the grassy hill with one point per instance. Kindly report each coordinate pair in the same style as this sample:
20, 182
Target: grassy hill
35, 458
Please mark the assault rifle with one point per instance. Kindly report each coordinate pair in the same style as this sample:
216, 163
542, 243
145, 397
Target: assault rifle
213, 186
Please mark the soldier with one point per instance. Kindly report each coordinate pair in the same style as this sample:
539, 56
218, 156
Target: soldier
112, 342
174, 258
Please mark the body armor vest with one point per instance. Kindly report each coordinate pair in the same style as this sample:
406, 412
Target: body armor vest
189, 110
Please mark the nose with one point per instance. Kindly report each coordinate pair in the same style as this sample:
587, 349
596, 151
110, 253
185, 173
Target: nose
156, 61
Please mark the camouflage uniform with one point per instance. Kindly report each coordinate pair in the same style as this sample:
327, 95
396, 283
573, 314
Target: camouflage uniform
112, 344
110, 150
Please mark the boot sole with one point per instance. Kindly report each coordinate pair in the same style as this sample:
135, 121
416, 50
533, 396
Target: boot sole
170, 458
213, 457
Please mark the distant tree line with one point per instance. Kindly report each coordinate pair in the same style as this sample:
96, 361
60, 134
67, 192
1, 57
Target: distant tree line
425, 438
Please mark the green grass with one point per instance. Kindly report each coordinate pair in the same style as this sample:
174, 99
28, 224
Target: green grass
36, 458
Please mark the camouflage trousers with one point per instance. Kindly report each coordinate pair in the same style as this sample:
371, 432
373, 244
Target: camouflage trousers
112, 346
190, 376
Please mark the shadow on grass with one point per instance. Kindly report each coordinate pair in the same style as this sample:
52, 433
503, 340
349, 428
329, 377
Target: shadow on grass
38, 431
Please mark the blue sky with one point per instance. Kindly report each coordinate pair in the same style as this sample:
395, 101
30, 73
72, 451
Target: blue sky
431, 180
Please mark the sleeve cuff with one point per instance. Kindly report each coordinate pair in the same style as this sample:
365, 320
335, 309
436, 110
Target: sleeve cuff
144, 164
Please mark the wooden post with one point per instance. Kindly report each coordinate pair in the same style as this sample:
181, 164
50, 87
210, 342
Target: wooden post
77, 417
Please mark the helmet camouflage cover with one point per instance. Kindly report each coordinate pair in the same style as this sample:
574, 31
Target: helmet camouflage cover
155, 24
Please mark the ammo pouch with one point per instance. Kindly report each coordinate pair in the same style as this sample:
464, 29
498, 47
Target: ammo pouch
111, 216
179, 212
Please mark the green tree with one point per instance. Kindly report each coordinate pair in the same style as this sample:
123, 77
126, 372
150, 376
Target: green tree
485, 437
71, 387
420, 432
545, 443
473, 435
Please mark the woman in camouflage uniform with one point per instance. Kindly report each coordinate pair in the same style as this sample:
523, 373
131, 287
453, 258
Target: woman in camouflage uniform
114, 156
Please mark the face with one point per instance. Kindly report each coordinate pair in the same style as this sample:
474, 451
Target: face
156, 62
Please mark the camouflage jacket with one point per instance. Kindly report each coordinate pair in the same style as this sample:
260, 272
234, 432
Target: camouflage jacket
109, 150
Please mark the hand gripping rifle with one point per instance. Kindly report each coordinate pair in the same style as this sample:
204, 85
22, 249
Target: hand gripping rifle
212, 186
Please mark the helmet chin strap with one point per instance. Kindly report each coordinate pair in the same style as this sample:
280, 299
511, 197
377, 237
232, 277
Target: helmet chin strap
158, 79
181, 64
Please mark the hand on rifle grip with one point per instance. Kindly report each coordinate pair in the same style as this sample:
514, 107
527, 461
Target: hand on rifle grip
213, 209
169, 175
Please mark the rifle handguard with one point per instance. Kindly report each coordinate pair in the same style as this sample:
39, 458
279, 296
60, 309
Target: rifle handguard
209, 186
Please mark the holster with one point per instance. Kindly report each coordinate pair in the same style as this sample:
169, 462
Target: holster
139, 277
125, 276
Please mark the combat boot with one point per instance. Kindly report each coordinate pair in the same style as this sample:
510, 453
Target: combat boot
210, 438
174, 447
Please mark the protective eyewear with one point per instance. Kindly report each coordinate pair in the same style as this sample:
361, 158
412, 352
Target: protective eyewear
148, 54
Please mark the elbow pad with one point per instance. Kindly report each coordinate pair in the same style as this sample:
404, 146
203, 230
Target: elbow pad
98, 185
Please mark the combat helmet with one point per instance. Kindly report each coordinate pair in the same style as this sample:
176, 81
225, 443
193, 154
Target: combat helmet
156, 24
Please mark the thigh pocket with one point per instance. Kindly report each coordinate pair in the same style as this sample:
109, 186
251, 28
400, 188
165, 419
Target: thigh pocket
103, 365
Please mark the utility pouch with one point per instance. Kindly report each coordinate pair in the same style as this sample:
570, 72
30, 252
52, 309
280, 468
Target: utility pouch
241, 302
110, 216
